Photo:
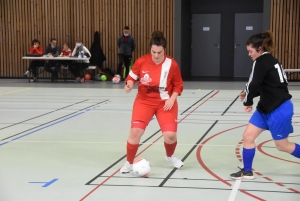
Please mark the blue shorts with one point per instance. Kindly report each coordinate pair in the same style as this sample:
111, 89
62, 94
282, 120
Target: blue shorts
279, 121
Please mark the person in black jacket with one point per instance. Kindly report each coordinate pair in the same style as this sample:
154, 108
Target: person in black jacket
126, 44
52, 50
98, 56
274, 110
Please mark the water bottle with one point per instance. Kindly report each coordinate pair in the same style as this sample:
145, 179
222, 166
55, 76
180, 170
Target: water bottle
82, 54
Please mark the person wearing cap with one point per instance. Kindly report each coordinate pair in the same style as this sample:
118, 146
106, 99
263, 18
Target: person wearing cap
126, 44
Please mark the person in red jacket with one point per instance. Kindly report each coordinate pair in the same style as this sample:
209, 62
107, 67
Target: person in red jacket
35, 48
159, 85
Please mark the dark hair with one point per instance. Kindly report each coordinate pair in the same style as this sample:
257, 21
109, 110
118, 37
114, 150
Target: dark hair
126, 27
35, 41
52, 39
264, 40
157, 38
67, 44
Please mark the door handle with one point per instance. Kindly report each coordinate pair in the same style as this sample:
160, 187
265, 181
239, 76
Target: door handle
235, 45
218, 45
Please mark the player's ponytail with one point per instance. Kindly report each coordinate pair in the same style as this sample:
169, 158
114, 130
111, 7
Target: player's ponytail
268, 44
158, 39
263, 40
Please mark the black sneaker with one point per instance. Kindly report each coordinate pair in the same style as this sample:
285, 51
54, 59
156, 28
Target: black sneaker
242, 174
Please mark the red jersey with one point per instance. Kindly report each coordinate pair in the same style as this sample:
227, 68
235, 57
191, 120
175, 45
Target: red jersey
67, 53
39, 50
157, 81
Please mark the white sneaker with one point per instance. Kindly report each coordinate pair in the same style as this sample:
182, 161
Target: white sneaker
175, 161
127, 167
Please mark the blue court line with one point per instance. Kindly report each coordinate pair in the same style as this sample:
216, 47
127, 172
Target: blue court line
46, 183
42, 128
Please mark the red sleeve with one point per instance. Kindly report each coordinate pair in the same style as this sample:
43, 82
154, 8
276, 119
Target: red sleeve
135, 71
38, 50
177, 79
32, 50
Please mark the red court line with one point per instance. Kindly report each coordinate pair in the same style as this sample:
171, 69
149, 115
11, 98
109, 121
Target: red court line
259, 148
295, 191
279, 184
260, 174
146, 148
201, 162
267, 178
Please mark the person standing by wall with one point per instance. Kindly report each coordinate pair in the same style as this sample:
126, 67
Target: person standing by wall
126, 44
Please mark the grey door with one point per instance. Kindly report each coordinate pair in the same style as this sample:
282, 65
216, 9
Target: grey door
206, 44
246, 24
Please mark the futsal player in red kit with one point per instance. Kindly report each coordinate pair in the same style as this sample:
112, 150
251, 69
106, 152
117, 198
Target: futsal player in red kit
159, 85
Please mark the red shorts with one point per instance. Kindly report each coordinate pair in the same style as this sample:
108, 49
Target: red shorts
143, 111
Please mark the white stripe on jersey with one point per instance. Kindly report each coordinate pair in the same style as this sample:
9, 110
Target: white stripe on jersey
134, 76
165, 69
250, 79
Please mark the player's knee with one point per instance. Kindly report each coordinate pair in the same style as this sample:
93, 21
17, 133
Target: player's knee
284, 145
281, 147
169, 132
248, 138
135, 135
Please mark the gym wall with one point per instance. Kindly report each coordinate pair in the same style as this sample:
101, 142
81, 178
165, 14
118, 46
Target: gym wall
23, 20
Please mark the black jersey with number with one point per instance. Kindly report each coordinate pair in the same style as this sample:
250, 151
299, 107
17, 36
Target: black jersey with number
268, 81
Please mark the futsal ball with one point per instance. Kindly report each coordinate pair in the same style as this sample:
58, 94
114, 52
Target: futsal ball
87, 76
116, 79
141, 167
103, 77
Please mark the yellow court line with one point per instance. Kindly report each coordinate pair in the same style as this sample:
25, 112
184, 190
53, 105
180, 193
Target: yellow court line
11, 92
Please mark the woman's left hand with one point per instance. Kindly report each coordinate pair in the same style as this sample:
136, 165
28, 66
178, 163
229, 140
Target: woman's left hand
169, 104
248, 108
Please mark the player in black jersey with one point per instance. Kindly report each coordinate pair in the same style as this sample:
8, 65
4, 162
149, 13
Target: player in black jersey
274, 110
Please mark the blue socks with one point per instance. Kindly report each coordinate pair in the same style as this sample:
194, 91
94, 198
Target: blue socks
248, 155
296, 152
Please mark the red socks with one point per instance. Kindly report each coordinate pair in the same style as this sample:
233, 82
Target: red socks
170, 148
131, 152
133, 148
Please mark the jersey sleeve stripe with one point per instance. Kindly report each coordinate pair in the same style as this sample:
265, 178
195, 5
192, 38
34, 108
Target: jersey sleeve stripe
250, 80
134, 76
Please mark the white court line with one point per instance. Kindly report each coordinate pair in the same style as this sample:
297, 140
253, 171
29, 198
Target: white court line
234, 190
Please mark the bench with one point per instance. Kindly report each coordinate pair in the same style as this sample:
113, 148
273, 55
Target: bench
289, 72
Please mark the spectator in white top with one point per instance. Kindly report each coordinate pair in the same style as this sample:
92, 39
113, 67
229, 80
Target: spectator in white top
77, 68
